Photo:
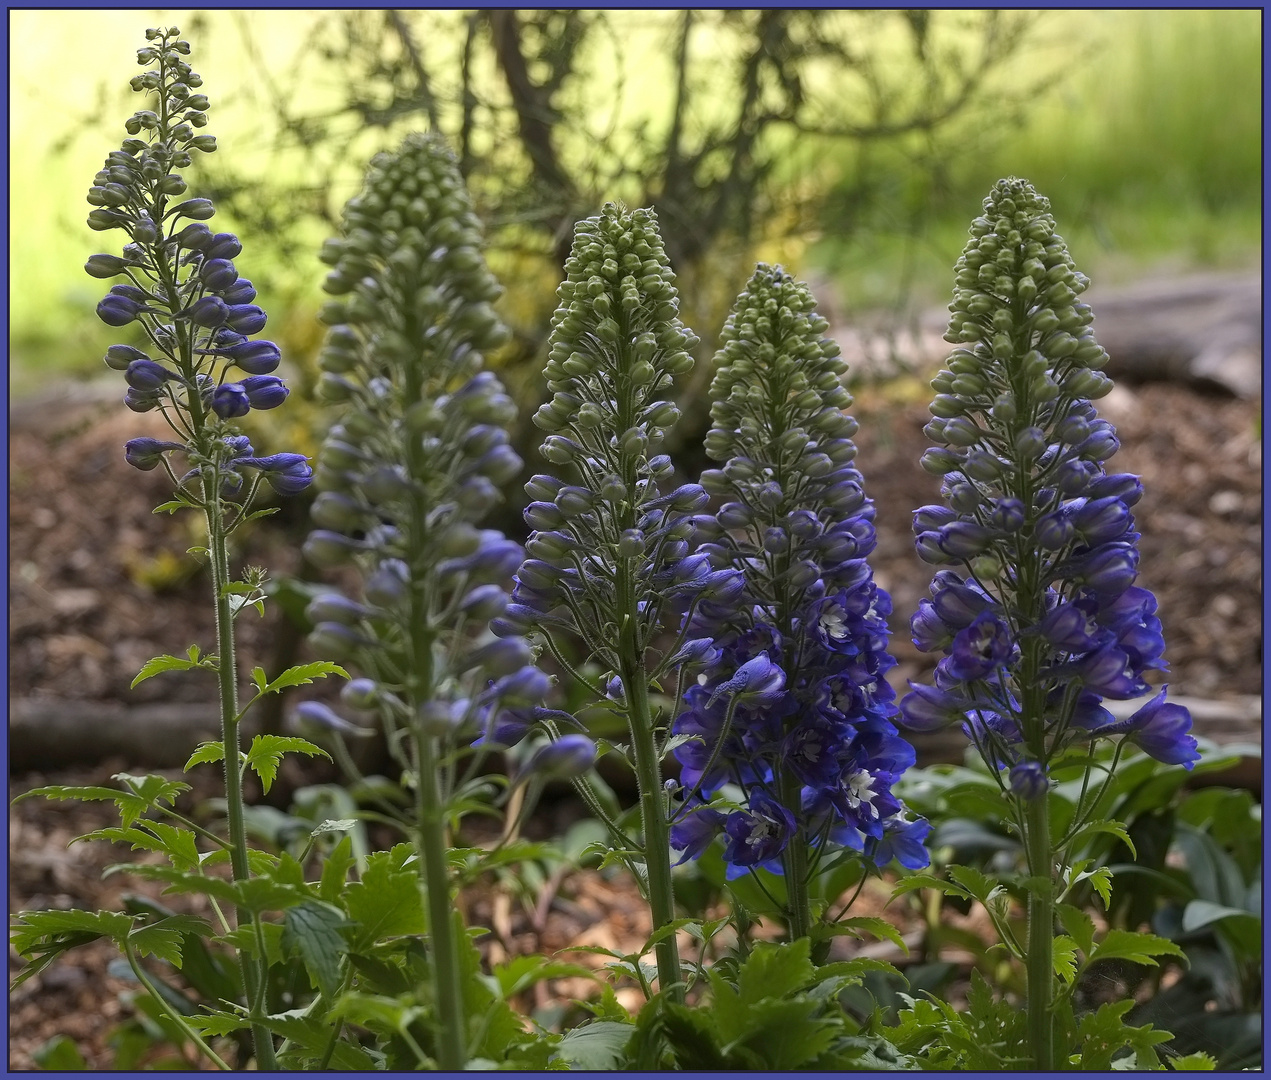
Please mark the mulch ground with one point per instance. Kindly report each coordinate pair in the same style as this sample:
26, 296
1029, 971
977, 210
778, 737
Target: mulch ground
98, 585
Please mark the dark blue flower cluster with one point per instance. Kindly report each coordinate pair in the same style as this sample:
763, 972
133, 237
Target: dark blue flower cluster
417, 459
183, 289
792, 705
1041, 620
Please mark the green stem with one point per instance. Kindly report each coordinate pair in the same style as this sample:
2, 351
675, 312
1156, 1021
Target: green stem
1041, 933
171, 1013
657, 841
794, 861
255, 974
435, 877
434, 865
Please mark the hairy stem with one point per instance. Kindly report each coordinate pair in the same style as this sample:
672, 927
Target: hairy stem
255, 973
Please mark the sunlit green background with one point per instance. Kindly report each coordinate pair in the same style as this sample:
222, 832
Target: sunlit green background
1150, 148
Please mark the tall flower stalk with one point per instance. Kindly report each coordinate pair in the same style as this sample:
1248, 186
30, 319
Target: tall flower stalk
1035, 608
792, 706
417, 459
609, 560
199, 368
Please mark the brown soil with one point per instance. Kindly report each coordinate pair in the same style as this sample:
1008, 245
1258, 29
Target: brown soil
98, 584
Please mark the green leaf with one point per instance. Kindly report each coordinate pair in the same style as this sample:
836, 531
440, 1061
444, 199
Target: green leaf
868, 924
775, 971
1064, 956
304, 674
204, 754
312, 931
172, 506
979, 885
1197, 1062
335, 869
1079, 925
522, 972
857, 968
596, 1047
266, 752
177, 844
1136, 947
1112, 828
163, 938
911, 882
386, 902
59, 1054
158, 664
31, 928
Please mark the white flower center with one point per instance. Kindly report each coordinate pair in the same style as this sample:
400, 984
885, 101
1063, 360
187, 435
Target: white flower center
833, 624
761, 831
860, 791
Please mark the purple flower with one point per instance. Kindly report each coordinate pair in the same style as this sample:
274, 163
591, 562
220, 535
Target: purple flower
1163, 731
692, 834
1028, 779
116, 310
904, 841
146, 454
569, 756
758, 682
287, 474
230, 401
757, 837
265, 391
980, 648
209, 311
146, 376
255, 357
245, 319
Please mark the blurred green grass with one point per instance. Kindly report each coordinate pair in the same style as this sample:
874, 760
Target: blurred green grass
1151, 154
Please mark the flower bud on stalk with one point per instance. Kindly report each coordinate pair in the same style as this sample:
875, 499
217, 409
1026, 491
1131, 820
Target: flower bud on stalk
1047, 509
1041, 619
792, 706
417, 458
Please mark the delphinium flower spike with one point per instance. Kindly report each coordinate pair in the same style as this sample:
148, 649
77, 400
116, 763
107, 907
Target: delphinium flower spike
793, 707
1035, 606
609, 561
416, 460
199, 365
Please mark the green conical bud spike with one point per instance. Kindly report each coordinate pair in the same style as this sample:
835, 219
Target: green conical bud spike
615, 333
775, 373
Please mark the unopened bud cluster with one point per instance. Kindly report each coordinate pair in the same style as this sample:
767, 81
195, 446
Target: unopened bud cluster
609, 553
792, 705
417, 459
1035, 607
199, 363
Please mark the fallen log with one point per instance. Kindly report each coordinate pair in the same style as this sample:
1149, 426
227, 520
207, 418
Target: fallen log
1203, 330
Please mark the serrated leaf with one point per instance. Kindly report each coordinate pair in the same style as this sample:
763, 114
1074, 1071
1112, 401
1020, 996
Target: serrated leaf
1079, 925
205, 754
163, 938
386, 902
156, 665
259, 678
1064, 955
856, 968
775, 971
979, 885
31, 927
312, 931
335, 869
303, 674
1112, 828
595, 1047
861, 924
910, 882
1197, 1062
1138, 948
216, 1022
522, 972
266, 751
